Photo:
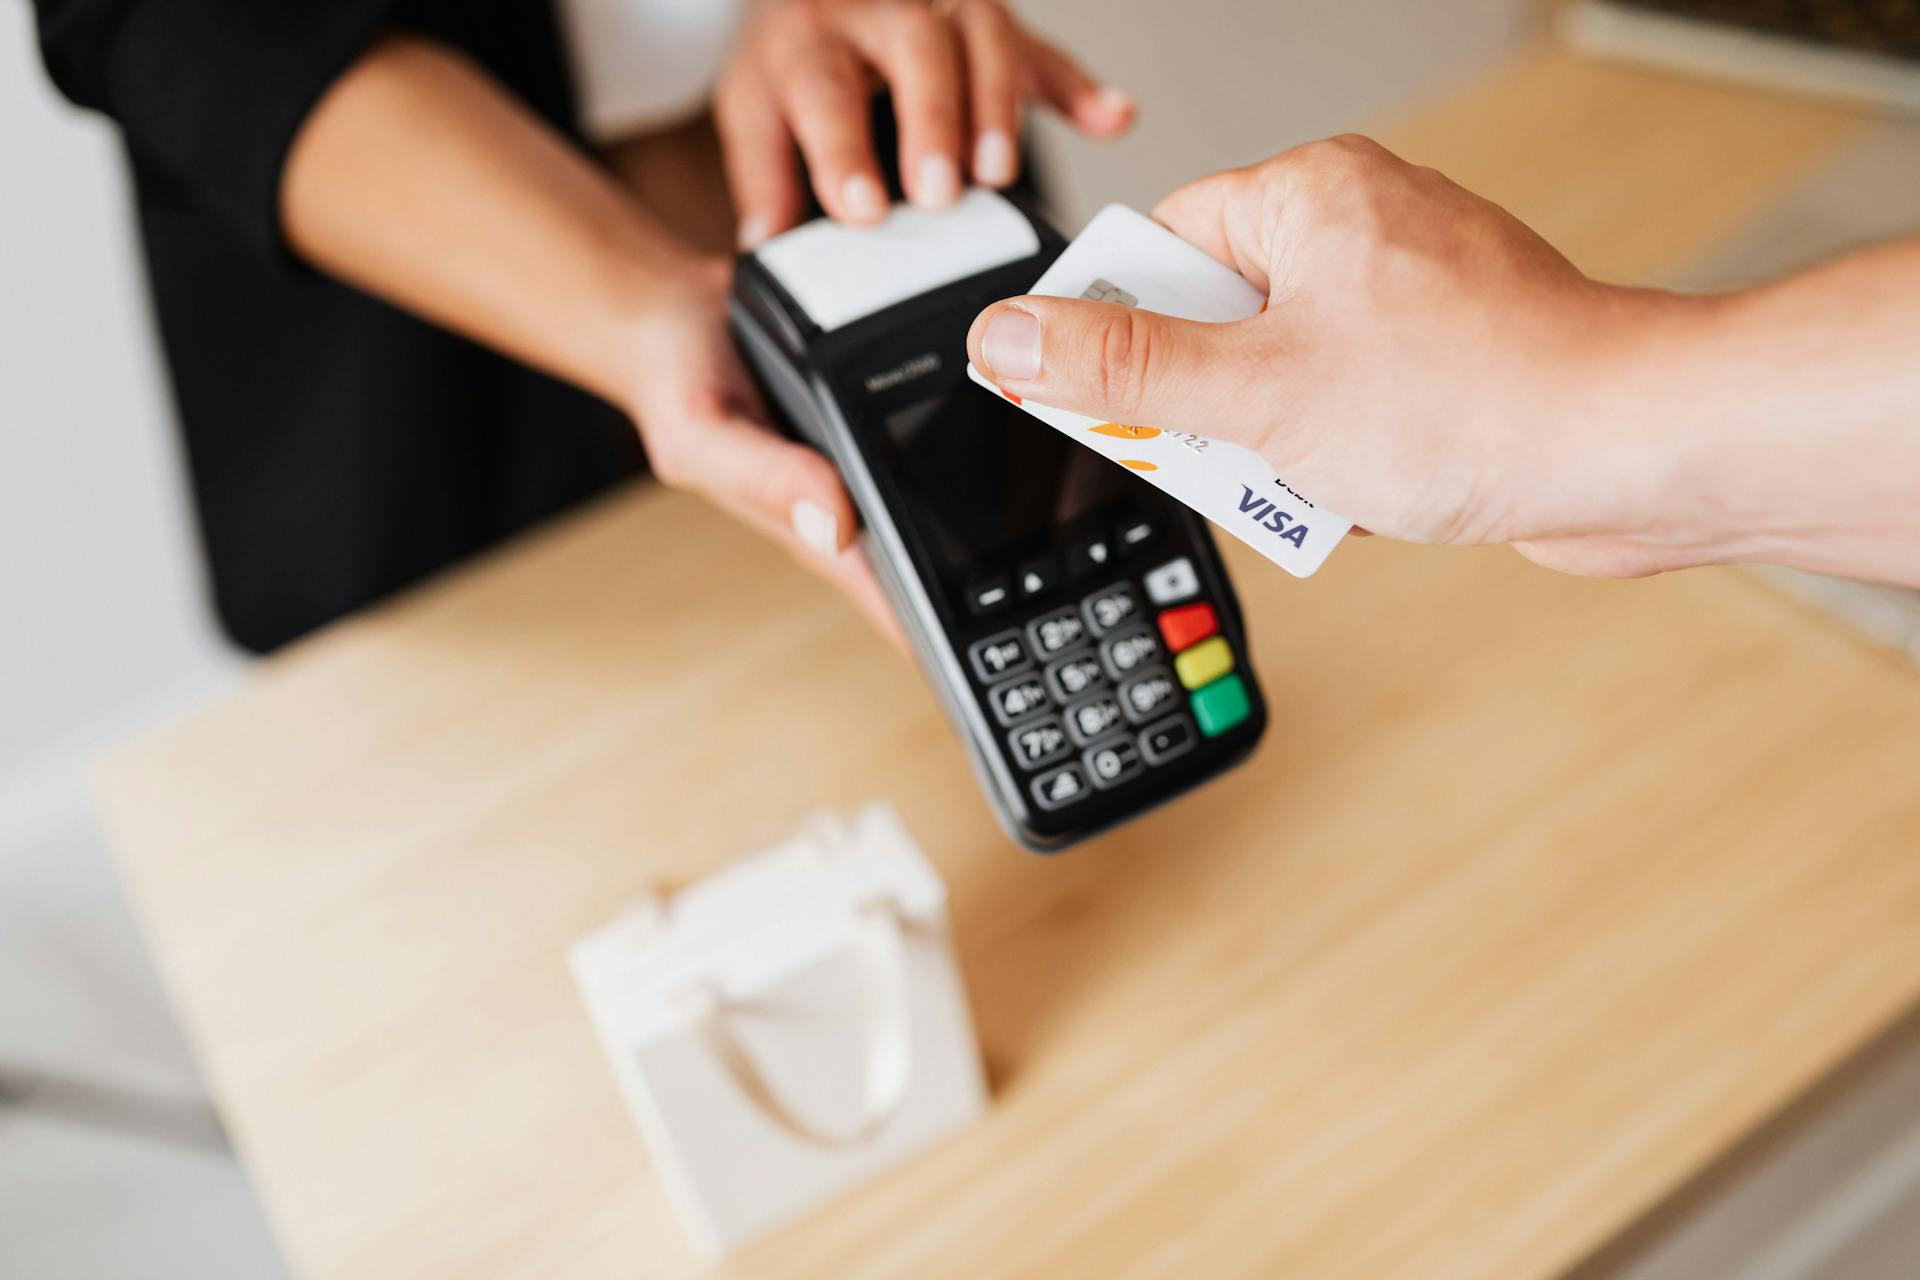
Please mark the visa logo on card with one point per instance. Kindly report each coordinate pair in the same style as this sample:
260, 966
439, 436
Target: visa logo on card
1127, 258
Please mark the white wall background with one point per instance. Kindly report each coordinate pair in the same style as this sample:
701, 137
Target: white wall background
110, 1164
1223, 83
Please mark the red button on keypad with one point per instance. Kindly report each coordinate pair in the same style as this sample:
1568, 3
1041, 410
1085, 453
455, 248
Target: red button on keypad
1188, 625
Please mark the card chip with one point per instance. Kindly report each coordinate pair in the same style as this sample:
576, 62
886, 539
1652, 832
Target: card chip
1108, 291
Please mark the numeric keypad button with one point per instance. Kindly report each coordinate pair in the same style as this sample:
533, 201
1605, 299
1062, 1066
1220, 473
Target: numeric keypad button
1172, 737
1093, 717
1111, 763
1018, 698
1061, 788
1148, 694
1056, 632
1038, 743
1110, 608
997, 656
1075, 674
1128, 652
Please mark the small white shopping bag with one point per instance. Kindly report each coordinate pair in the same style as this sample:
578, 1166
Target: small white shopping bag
788, 1028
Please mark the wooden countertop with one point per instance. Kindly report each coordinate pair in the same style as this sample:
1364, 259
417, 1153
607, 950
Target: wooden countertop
1542, 893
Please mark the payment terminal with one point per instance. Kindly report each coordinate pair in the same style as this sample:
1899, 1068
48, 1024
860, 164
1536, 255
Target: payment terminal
1077, 624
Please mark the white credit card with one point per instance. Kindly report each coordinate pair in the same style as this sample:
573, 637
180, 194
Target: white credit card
1127, 258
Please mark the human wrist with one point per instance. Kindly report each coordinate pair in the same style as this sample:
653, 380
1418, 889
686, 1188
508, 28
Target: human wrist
1693, 389
1581, 410
1650, 449
655, 297
1758, 450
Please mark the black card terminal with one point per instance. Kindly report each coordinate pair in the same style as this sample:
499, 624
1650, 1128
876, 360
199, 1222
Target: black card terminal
1077, 623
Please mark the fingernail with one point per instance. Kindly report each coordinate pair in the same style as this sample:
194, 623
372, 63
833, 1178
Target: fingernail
994, 159
939, 184
865, 200
1011, 344
814, 525
1114, 105
753, 229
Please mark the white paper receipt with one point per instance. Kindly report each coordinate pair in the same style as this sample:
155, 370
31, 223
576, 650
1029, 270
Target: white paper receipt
839, 274
1127, 258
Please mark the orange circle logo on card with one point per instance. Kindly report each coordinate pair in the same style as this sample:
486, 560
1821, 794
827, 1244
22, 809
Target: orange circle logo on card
1135, 464
1125, 432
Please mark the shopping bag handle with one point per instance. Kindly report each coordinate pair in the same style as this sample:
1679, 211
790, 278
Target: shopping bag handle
880, 947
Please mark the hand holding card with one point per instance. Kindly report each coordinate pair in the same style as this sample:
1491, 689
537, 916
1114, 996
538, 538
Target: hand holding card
1125, 258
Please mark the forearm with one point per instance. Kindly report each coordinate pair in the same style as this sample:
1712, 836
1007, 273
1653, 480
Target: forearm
417, 178
676, 174
1791, 417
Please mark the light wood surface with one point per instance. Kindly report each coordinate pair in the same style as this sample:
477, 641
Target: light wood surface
1542, 893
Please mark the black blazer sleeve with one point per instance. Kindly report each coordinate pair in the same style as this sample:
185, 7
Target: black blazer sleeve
209, 93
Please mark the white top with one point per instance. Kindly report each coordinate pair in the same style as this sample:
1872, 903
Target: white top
639, 64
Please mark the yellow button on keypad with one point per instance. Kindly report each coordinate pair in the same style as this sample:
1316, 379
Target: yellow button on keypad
1204, 663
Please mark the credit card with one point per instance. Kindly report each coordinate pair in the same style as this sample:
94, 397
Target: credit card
1125, 257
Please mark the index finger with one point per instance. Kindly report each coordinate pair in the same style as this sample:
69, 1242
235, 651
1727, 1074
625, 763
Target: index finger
915, 51
1224, 214
825, 98
758, 154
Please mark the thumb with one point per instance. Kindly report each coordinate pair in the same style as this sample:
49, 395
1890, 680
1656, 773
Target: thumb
1117, 363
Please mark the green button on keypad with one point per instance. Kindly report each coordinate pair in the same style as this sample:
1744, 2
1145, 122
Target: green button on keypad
1221, 705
